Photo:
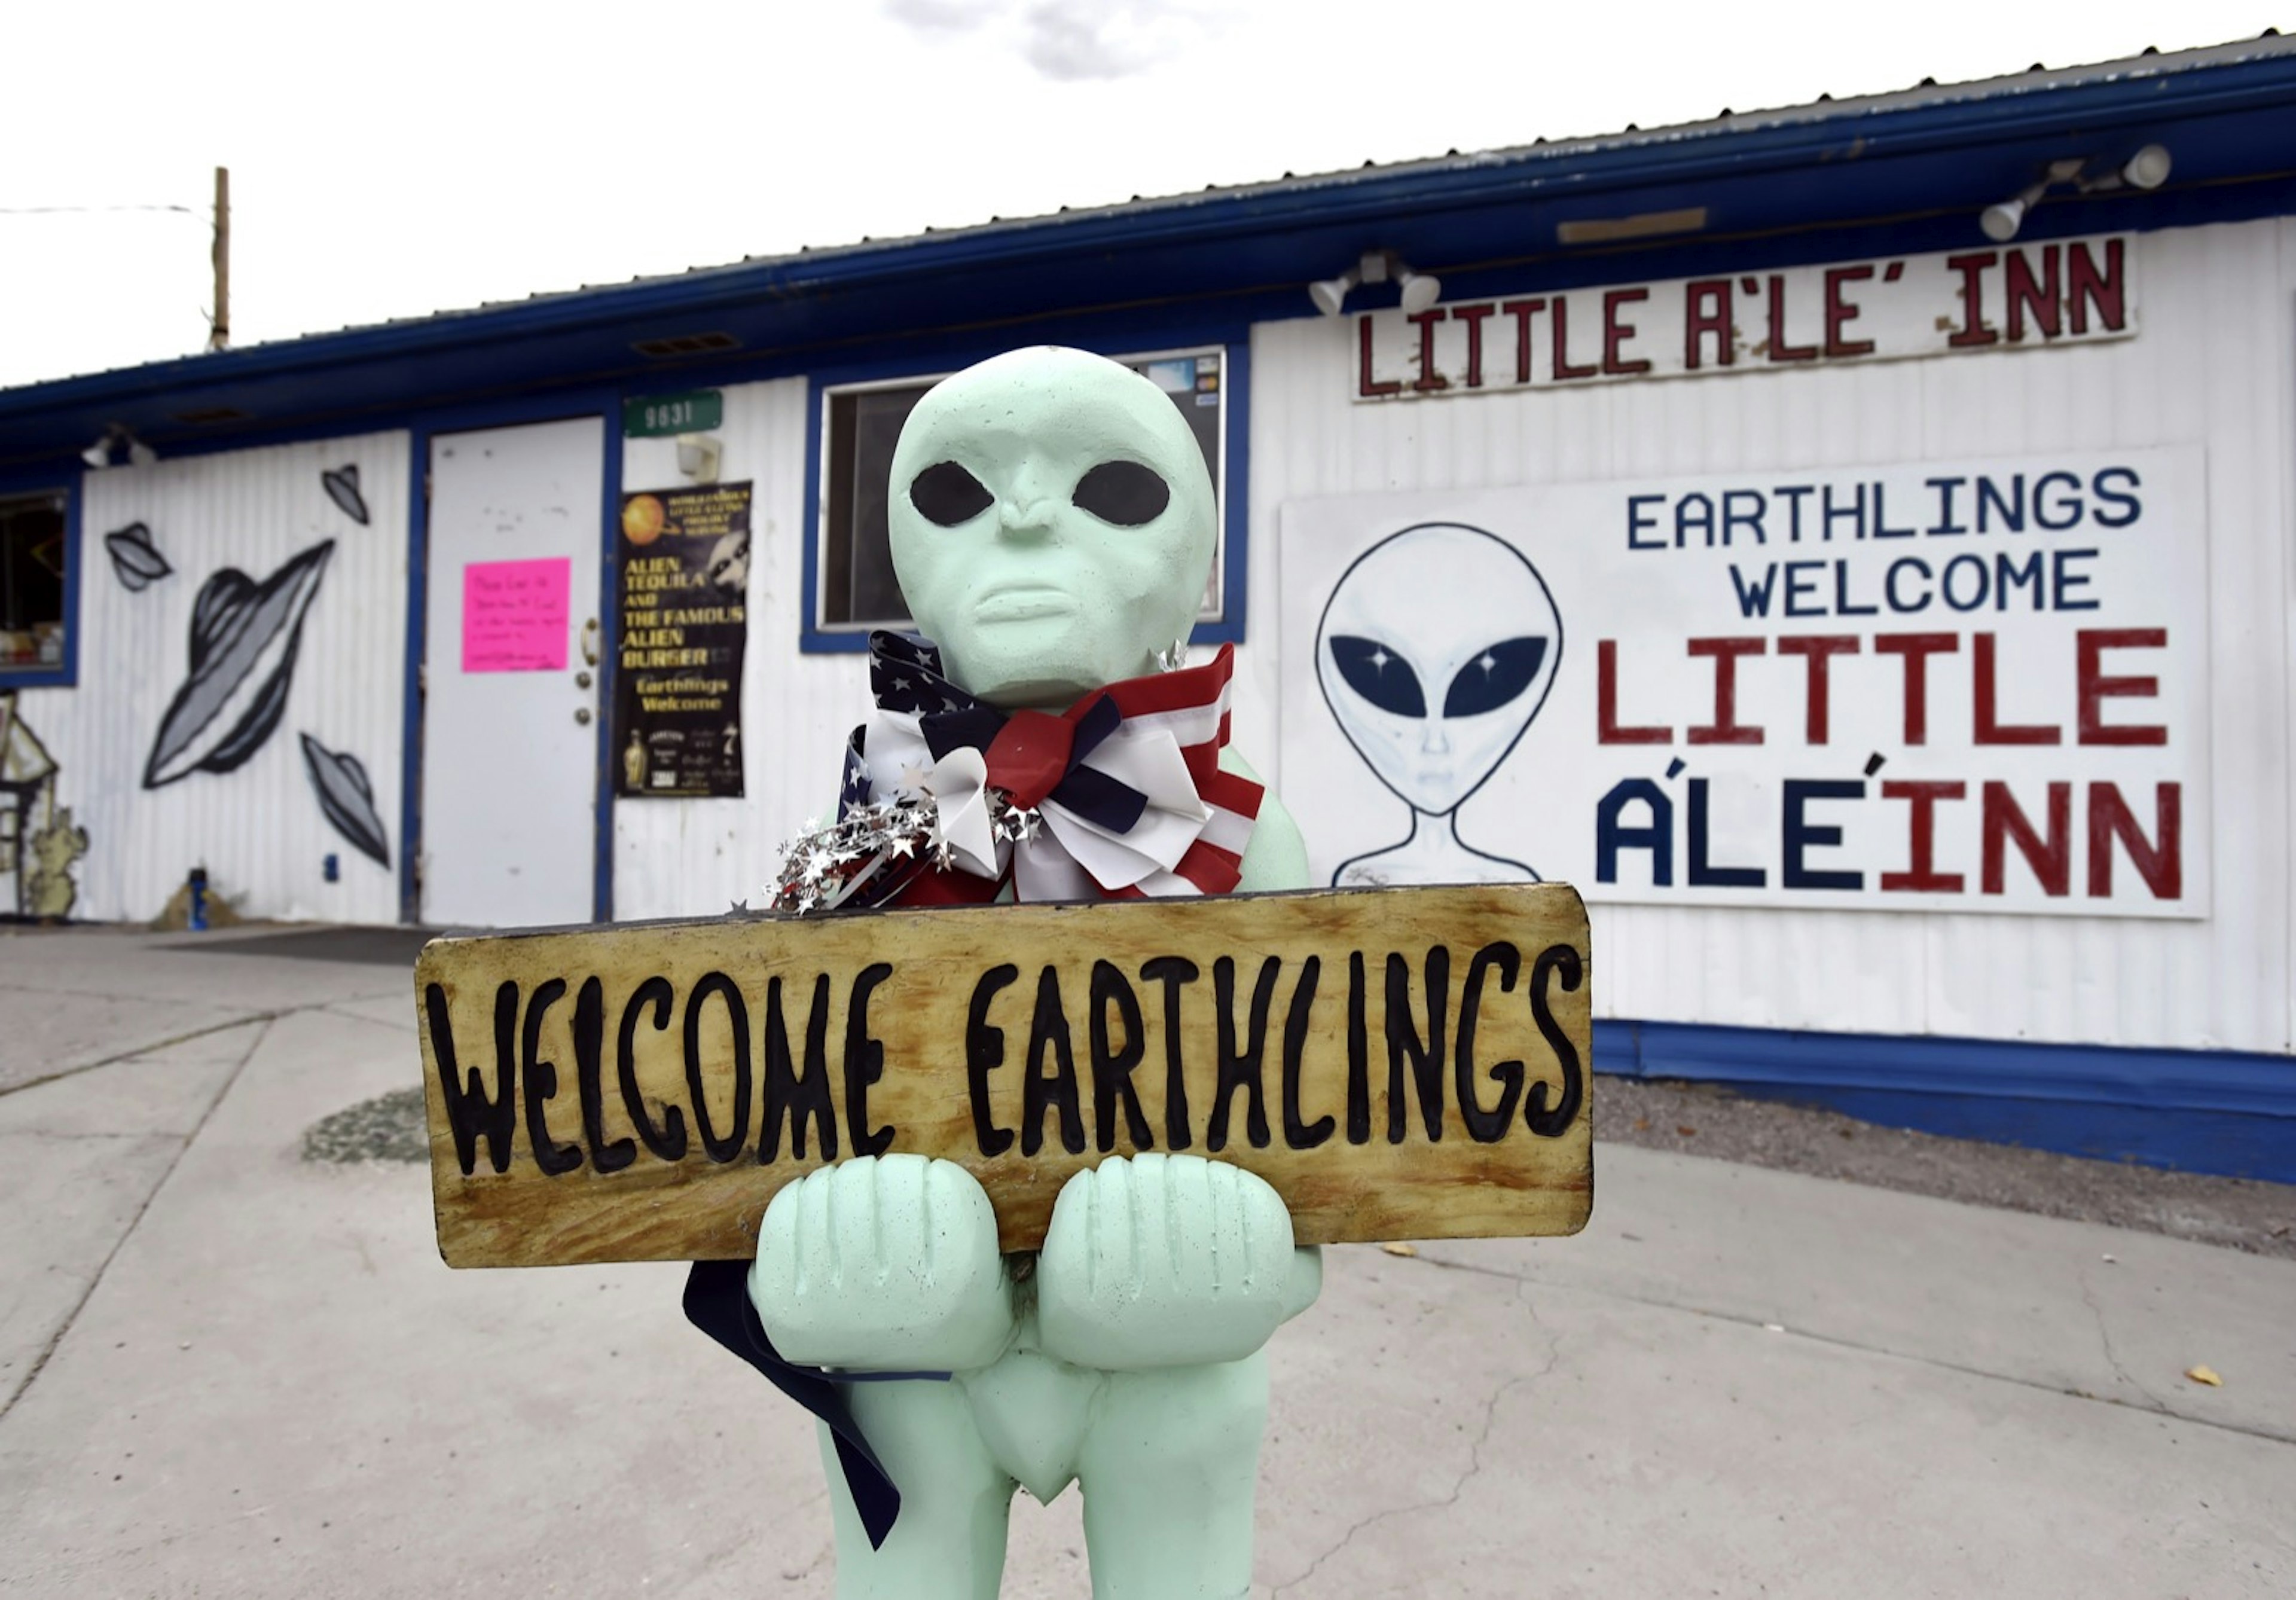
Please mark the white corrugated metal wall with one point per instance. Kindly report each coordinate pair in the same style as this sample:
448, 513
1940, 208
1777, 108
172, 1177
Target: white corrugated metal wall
257, 829
2213, 366
686, 858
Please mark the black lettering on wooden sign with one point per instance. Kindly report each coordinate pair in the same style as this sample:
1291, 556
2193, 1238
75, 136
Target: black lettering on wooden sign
1025, 1043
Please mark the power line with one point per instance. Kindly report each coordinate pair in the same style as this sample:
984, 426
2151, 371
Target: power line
59, 210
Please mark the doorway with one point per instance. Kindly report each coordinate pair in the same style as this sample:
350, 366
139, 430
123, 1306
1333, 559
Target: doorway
510, 742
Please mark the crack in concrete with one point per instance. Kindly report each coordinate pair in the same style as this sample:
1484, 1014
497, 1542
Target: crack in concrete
2112, 1355
247, 1020
1474, 1456
335, 1009
2158, 1408
60, 1073
96, 1279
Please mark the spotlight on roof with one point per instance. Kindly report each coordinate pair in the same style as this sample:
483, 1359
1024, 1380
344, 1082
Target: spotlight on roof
1419, 289
1331, 293
99, 454
2003, 218
2148, 168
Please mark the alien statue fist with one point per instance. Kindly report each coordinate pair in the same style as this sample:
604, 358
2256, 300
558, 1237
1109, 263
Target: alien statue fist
1052, 525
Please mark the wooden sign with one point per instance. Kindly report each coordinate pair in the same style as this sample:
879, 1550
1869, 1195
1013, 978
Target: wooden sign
1397, 1062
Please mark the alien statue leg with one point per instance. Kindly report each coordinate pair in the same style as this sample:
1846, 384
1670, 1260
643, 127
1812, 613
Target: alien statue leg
1169, 1473
1170, 1272
956, 1501
889, 1264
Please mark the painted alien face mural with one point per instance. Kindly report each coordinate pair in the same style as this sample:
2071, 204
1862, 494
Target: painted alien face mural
1053, 524
1435, 651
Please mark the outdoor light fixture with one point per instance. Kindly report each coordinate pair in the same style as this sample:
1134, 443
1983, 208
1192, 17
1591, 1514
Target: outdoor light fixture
1330, 293
2003, 218
1419, 289
697, 456
99, 453
2148, 168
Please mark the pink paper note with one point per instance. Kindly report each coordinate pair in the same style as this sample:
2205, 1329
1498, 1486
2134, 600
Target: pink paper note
514, 615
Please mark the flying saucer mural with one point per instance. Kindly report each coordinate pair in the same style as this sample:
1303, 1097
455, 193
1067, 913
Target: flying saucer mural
245, 636
346, 798
342, 486
135, 562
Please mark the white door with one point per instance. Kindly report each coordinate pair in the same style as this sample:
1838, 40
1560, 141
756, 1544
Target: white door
509, 744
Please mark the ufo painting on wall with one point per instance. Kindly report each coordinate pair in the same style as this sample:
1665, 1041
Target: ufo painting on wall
244, 635
342, 486
135, 560
346, 798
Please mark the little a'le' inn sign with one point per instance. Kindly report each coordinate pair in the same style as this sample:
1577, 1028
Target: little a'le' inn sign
1886, 307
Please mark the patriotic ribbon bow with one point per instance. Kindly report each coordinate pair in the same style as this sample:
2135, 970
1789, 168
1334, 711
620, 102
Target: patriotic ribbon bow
1122, 796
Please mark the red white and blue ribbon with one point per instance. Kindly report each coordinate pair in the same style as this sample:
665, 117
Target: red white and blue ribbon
948, 799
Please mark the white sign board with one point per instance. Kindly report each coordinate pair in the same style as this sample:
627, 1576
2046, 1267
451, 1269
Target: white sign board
1891, 308
1974, 686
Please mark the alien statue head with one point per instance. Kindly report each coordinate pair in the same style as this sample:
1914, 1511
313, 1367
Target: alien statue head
1436, 650
1053, 524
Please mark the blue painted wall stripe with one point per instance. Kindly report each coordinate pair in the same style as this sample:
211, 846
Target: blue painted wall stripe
2226, 1111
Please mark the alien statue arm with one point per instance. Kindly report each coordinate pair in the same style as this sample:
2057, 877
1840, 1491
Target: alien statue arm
889, 1264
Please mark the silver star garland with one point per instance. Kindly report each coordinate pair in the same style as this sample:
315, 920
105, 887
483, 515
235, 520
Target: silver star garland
828, 864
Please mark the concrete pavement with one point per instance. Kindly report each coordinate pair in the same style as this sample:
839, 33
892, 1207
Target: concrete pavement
229, 1371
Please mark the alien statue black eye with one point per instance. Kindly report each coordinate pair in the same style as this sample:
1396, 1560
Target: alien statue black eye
1493, 676
1123, 492
947, 495
1379, 675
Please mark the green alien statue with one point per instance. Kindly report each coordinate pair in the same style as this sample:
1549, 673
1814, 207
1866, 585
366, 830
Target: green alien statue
1052, 526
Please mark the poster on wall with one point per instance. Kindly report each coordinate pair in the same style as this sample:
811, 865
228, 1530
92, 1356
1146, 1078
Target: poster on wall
683, 627
1949, 686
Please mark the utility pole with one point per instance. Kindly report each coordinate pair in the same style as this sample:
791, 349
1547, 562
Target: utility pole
219, 329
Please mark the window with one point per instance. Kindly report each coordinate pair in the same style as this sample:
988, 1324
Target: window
32, 550
860, 422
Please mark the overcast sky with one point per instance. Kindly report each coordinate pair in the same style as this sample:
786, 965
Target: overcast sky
438, 154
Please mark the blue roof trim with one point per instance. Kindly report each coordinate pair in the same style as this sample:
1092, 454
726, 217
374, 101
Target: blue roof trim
1931, 153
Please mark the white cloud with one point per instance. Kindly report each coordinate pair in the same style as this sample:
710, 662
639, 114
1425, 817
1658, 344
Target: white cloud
945, 16
1068, 41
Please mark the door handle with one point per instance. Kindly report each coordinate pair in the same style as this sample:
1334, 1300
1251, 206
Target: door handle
590, 641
